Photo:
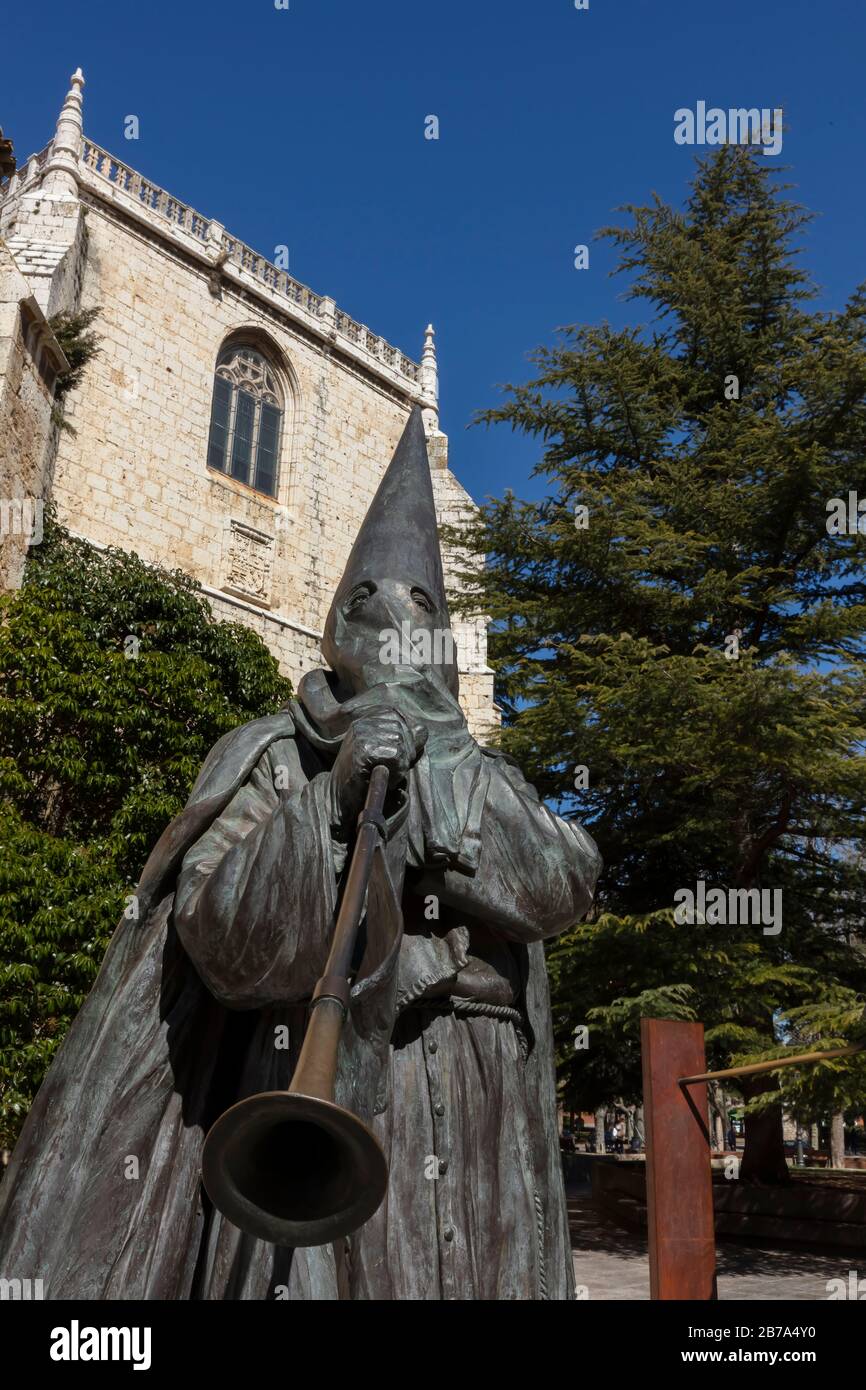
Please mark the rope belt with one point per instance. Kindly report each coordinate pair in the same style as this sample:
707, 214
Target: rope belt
477, 1008
455, 1004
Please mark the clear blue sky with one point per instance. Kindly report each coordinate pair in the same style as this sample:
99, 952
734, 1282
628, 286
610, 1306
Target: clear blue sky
306, 127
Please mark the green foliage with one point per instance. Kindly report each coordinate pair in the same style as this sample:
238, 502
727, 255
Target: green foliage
80, 345
98, 750
706, 516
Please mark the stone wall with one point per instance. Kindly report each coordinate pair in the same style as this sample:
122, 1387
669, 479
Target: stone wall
29, 362
135, 473
136, 468
46, 235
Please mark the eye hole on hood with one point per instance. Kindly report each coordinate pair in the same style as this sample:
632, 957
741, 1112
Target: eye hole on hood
423, 600
358, 597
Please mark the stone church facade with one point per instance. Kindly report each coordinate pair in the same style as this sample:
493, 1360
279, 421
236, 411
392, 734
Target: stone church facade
234, 423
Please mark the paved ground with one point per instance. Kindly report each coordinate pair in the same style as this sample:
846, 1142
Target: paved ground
611, 1263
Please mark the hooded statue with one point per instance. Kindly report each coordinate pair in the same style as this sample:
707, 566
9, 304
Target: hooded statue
448, 1049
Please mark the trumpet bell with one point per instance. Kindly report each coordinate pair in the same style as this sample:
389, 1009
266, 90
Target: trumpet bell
293, 1169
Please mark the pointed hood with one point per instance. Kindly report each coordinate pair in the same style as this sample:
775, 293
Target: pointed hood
398, 539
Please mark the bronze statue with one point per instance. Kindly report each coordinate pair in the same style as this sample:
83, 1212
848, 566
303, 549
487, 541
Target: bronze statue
446, 1053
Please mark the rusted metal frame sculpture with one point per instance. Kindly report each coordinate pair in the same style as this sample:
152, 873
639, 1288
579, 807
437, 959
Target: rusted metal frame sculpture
679, 1187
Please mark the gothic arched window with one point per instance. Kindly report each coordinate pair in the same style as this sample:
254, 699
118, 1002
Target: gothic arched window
246, 419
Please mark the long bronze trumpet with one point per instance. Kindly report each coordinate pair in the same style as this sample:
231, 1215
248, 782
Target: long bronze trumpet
293, 1167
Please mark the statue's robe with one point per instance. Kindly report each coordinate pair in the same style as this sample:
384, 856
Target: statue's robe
448, 1048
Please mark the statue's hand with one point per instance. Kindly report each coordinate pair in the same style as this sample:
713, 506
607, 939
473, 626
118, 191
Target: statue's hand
382, 738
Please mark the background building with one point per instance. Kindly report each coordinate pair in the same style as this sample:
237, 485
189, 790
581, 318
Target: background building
234, 424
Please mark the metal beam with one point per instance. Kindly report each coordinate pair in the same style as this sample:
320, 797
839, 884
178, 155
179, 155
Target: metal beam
755, 1067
